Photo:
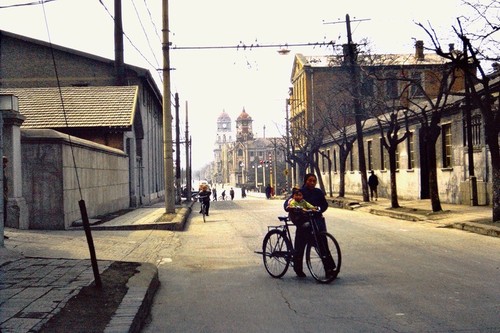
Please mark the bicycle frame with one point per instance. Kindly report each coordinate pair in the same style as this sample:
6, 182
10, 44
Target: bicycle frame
278, 250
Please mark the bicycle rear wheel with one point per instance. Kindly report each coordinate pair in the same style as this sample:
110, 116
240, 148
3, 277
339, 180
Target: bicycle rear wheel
276, 253
324, 259
204, 211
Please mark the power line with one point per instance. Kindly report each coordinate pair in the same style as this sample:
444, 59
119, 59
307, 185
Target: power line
243, 46
33, 3
130, 41
145, 33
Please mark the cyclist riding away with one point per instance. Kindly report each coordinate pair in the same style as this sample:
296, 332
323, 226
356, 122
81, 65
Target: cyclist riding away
204, 196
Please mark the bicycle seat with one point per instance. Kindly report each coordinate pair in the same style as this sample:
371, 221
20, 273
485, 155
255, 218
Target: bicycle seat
283, 218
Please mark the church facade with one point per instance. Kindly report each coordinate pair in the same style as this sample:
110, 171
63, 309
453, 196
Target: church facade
243, 160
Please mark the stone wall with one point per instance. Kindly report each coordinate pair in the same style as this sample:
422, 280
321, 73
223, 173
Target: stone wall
53, 187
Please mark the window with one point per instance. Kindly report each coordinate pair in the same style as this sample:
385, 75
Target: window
240, 152
328, 159
370, 155
382, 155
391, 87
476, 131
411, 155
334, 160
323, 162
446, 137
397, 158
367, 87
351, 161
416, 85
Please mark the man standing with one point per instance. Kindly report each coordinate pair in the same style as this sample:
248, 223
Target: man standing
373, 183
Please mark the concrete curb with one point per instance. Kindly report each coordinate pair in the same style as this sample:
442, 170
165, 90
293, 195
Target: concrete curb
478, 228
135, 306
177, 224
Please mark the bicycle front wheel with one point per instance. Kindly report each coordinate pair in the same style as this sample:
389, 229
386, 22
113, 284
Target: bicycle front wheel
276, 253
324, 258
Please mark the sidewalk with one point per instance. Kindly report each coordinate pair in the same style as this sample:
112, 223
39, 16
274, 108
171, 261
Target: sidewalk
475, 219
33, 290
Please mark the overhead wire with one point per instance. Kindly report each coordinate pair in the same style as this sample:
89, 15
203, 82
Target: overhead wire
145, 33
33, 3
61, 99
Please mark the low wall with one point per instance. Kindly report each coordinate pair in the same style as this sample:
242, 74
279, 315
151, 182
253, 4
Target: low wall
53, 187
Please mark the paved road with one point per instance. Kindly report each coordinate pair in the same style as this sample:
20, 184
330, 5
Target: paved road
397, 276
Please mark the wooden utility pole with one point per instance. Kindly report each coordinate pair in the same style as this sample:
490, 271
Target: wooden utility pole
167, 118
177, 151
188, 162
119, 59
358, 110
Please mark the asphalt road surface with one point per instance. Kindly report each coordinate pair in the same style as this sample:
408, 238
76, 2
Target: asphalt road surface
396, 276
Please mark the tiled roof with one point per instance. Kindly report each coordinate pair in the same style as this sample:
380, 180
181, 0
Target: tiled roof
83, 106
373, 60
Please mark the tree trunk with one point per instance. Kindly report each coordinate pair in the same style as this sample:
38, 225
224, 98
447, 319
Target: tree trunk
495, 166
392, 169
343, 160
433, 182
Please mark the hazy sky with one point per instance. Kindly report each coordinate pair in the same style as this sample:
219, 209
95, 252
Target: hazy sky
256, 79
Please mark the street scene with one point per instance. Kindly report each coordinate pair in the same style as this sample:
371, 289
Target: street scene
396, 275
273, 166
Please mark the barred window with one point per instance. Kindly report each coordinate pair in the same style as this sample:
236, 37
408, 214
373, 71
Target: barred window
476, 130
447, 148
370, 155
411, 155
382, 155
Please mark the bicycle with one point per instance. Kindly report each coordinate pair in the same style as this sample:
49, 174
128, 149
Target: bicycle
203, 208
322, 250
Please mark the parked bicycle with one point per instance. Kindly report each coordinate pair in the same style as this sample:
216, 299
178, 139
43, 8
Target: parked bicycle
323, 256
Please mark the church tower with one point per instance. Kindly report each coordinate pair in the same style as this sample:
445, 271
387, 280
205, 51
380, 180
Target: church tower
244, 130
223, 129
223, 138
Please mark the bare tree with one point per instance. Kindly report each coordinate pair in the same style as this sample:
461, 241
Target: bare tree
483, 89
337, 128
390, 132
306, 140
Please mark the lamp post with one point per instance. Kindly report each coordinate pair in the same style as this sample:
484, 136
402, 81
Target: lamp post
264, 174
255, 180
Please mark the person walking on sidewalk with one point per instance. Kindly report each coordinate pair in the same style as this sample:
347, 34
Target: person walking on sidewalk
231, 193
373, 183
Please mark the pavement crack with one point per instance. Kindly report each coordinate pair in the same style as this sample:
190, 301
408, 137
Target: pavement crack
287, 302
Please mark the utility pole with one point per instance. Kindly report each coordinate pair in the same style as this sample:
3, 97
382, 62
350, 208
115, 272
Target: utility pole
177, 151
468, 118
188, 162
167, 117
358, 111
287, 156
119, 59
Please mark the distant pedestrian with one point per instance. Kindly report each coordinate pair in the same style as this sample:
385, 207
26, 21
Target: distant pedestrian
231, 193
268, 191
373, 183
214, 191
223, 195
243, 192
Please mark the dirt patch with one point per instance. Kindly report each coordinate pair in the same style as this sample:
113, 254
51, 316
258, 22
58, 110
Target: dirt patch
92, 309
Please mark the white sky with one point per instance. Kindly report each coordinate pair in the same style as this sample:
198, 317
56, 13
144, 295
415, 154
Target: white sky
227, 79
